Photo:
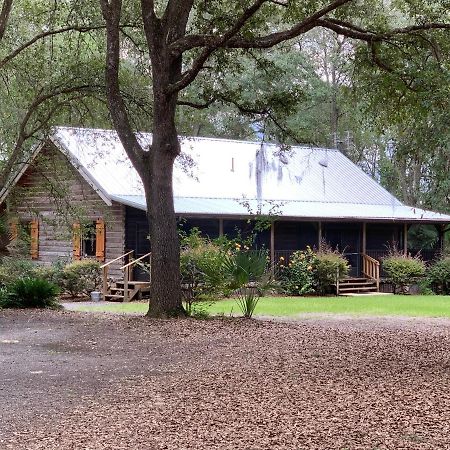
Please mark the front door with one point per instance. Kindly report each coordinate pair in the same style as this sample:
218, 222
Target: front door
346, 237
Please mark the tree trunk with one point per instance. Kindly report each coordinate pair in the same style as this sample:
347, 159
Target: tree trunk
165, 291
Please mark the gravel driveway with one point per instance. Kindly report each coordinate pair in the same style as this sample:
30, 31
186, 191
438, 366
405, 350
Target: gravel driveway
82, 381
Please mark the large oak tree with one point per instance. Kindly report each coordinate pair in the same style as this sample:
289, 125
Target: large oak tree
186, 39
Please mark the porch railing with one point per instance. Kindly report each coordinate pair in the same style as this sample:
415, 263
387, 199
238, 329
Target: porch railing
127, 270
105, 269
371, 269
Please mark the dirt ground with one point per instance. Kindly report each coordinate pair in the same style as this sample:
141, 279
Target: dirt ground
82, 381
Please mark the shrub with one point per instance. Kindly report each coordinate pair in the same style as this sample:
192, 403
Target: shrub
331, 265
299, 277
403, 270
12, 269
439, 276
4, 296
201, 271
80, 277
30, 293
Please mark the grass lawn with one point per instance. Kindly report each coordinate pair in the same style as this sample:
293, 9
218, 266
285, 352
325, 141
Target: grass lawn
383, 305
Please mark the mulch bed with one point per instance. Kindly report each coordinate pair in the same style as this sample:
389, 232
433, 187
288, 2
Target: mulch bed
83, 381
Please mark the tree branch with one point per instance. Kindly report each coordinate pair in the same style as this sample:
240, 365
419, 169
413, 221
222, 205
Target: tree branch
4, 16
43, 35
230, 40
197, 105
197, 65
225, 41
175, 18
355, 32
111, 11
23, 135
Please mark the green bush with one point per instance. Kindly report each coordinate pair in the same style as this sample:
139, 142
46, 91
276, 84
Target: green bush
4, 296
80, 277
299, 276
331, 265
403, 270
439, 276
12, 269
30, 293
202, 277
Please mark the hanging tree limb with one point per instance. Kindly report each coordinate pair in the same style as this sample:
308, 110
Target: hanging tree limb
4, 16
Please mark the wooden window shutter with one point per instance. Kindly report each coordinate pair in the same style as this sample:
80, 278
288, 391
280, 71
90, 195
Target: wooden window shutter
76, 240
34, 233
13, 230
100, 240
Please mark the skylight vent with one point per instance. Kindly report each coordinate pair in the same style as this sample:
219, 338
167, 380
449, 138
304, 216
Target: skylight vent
323, 162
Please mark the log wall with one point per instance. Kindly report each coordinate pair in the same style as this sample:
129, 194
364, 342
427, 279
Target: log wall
53, 192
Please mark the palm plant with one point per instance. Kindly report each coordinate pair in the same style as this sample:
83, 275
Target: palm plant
246, 274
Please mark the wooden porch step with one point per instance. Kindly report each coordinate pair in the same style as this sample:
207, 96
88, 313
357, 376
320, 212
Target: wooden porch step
134, 283
363, 283
136, 290
357, 289
357, 285
114, 297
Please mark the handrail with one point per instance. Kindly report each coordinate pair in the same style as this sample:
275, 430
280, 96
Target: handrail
372, 260
135, 261
127, 276
105, 268
371, 269
115, 259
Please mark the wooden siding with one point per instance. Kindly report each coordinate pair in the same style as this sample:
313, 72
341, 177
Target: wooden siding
54, 193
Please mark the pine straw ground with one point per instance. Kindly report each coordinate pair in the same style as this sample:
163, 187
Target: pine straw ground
79, 381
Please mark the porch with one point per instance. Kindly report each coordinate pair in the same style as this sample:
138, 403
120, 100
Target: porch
364, 244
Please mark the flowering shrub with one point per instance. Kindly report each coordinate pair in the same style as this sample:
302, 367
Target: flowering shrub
299, 276
310, 272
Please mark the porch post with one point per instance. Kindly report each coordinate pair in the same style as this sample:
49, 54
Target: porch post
272, 248
405, 239
220, 227
364, 238
319, 235
441, 233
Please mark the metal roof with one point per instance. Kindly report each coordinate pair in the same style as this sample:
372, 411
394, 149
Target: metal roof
228, 177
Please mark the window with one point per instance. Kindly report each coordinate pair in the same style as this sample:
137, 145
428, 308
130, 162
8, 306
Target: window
89, 240
25, 235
